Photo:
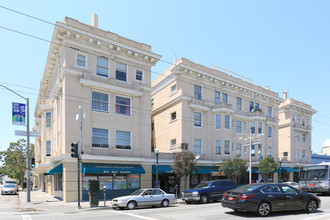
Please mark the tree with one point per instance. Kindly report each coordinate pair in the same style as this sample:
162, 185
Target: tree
184, 164
234, 168
14, 159
267, 166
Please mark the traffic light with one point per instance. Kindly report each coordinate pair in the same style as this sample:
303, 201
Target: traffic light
33, 162
74, 150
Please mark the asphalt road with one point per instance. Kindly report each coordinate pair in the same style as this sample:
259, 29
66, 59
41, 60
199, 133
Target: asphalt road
9, 210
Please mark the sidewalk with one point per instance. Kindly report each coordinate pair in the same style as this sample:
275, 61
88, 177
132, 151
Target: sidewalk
44, 202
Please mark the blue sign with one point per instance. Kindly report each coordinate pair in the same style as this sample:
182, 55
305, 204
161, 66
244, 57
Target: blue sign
18, 117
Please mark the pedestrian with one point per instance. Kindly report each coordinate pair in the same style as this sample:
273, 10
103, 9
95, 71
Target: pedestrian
24, 186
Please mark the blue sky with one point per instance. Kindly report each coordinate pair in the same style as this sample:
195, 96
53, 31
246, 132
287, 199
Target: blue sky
285, 44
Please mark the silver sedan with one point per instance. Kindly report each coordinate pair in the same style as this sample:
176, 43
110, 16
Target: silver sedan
144, 197
9, 189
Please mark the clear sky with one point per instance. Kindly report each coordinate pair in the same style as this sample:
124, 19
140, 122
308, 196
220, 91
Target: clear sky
285, 44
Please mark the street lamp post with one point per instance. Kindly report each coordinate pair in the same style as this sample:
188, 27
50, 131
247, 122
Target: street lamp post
250, 158
280, 176
27, 143
157, 154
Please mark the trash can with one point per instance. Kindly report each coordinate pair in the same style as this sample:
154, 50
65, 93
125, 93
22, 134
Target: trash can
94, 193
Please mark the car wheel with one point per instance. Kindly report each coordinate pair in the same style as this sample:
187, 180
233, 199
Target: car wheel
311, 206
263, 209
165, 203
204, 199
131, 205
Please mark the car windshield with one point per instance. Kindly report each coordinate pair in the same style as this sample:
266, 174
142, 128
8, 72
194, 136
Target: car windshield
12, 182
9, 186
137, 192
248, 187
203, 185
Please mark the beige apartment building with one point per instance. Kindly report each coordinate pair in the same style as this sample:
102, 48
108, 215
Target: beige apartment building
109, 77
215, 115
295, 135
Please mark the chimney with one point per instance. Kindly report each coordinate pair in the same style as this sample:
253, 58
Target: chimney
286, 94
95, 22
267, 87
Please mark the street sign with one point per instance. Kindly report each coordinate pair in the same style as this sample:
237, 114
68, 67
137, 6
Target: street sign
24, 133
18, 116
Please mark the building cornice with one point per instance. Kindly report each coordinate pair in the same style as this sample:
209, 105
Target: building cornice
110, 88
298, 108
169, 104
199, 107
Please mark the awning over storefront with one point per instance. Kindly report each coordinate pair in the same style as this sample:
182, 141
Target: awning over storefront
104, 168
56, 170
283, 170
206, 169
162, 169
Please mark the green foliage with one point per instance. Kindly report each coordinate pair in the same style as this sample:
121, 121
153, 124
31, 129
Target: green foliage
14, 159
268, 166
234, 168
184, 164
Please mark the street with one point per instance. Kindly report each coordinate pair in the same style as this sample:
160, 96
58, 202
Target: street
9, 209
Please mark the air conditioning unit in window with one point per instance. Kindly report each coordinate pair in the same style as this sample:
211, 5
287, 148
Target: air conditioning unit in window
184, 146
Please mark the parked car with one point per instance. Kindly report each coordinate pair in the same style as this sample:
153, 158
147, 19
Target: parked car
266, 198
11, 182
207, 191
293, 184
9, 189
144, 197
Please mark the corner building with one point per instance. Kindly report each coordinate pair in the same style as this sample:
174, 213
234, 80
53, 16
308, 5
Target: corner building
109, 76
215, 115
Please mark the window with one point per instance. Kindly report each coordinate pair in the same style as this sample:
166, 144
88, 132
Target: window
102, 66
48, 148
298, 136
270, 132
173, 116
225, 98
227, 147
251, 106
48, 119
260, 150
217, 121
173, 144
303, 138
227, 121
217, 147
100, 138
58, 182
298, 154
270, 111
100, 102
198, 146
123, 106
217, 98
173, 89
253, 150
197, 119
239, 149
298, 119
123, 140
303, 155
139, 75
257, 107
293, 117
270, 152
198, 92
253, 127
238, 126
239, 103
152, 102
259, 127
81, 60
121, 71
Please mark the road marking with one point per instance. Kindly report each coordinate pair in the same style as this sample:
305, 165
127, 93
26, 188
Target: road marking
26, 217
137, 216
165, 216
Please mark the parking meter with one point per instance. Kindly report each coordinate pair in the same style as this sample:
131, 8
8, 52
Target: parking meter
104, 194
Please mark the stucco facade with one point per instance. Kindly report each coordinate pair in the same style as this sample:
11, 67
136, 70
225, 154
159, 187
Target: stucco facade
109, 77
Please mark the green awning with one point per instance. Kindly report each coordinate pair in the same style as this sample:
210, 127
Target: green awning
162, 169
56, 170
206, 169
104, 168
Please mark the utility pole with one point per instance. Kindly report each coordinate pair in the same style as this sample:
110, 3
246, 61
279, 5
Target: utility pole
28, 199
79, 117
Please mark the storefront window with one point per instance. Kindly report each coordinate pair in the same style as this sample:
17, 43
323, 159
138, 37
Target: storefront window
105, 181
133, 181
58, 182
119, 182
86, 183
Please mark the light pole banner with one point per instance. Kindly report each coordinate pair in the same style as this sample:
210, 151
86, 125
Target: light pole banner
18, 117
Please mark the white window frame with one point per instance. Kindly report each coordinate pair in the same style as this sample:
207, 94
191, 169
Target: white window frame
303, 138
136, 74
101, 101
260, 128
171, 118
108, 67
197, 93
48, 119
217, 147
217, 99
218, 122
239, 103
227, 122
107, 145
270, 151
225, 98
224, 147
130, 141
173, 89
239, 149
270, 111
48, 148
77, 59
239, 125
298, 154
270, 132
201, 120
130, 105
298, 137
172, 144
126, 73
254, 130
201, 146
